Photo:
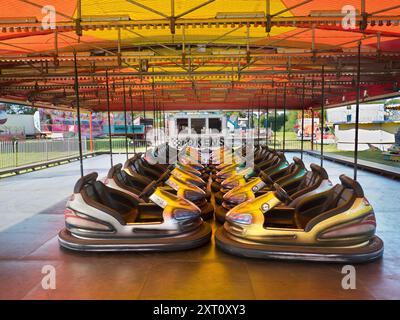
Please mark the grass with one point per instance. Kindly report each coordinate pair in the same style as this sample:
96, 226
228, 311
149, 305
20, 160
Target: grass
368, 155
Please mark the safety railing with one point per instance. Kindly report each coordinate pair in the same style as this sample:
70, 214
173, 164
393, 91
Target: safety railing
24, 152
18, 153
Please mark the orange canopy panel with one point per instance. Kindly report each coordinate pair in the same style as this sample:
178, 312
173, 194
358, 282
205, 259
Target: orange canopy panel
197, 54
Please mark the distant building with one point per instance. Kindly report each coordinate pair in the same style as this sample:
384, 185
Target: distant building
188, 126
377, 126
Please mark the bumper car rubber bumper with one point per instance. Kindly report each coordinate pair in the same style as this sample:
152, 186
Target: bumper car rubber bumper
184, 241
370, 252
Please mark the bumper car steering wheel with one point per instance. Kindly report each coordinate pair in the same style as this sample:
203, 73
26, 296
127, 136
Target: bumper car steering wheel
281, 194
148, 191
266, 178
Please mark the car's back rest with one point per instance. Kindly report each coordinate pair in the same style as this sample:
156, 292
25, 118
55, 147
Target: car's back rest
311, 181
94, 196
312, 206
327, 204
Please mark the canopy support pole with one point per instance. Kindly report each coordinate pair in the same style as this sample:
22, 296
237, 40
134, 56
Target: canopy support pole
276, 114
132, 124
109, 119
125, 121
154, 112
267, 125
357, 110
312, 129
78, 107
91, 131
248, 117
322, 114
163, 122
258, 121
144, 120
302, 120
252, 122
284, 119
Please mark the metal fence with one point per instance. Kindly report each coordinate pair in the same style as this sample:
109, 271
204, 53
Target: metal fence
25, 152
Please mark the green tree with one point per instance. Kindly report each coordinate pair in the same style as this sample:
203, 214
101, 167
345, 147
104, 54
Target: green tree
19, 109
279, 121
291, 121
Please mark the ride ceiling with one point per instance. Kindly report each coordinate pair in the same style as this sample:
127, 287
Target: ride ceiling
200, 54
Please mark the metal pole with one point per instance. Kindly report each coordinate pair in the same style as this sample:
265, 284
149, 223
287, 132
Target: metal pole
357, 110
132, 117
252, 116
284, 118
312, 129
252, 122
312, 115
163, 120
267, 126
248, 117
258, 121
125, 121
302, 120
154, 117
154, 111
91, 131
132, 124
76, 86
322, 114
276, 115
109, 119
144, 120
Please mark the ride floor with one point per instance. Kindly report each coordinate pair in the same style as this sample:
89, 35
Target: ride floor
204, 273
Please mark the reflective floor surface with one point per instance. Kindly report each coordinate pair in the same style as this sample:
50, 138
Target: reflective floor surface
28, 243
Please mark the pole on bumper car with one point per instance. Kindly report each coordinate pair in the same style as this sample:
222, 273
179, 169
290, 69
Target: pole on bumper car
284, 119
322, 113
312, 115
267, 125
109, 119
144, 120
125, 120
276, 113
132, 124
78, 107
302, 121
357, 110
258, 121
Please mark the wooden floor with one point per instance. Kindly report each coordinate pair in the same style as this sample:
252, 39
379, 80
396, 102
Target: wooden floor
204, 273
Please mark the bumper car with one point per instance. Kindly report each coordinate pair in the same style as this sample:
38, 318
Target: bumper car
99, 218
337, 225
138, 166
290, 178
232, 169
133, 185
277, 168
